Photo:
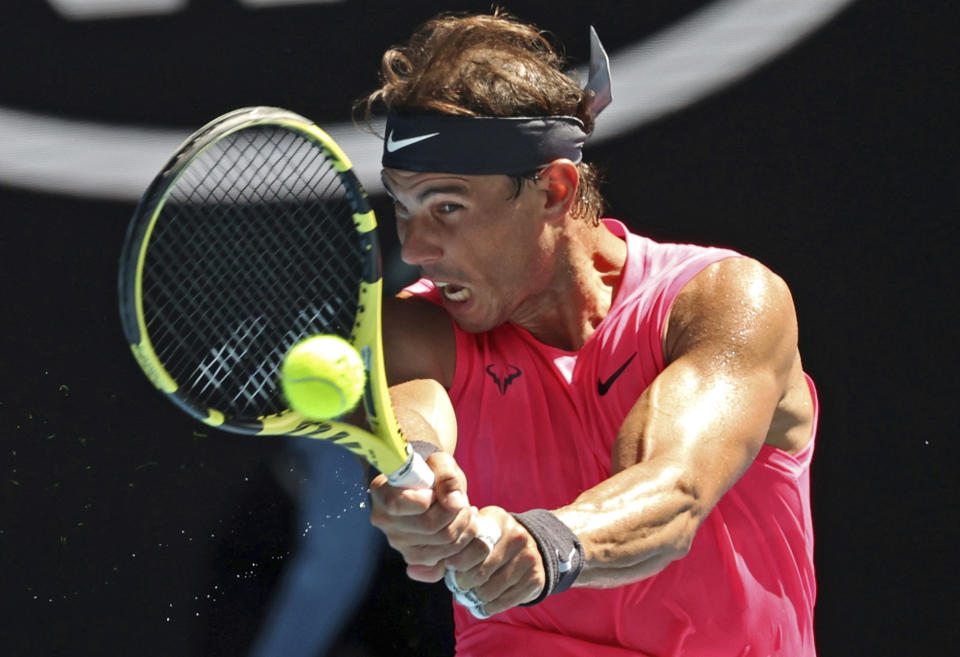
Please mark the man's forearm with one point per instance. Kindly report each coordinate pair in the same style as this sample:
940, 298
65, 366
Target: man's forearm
634, 524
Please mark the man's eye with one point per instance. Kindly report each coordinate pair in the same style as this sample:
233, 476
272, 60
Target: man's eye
447, 208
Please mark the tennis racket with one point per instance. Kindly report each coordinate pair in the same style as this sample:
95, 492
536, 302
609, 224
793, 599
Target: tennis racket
255, 235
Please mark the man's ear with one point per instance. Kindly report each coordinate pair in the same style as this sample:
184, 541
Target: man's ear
560, 180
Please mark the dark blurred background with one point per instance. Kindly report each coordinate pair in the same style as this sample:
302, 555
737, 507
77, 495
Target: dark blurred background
126, 528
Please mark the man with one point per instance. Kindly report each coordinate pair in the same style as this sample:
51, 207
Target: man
631, 474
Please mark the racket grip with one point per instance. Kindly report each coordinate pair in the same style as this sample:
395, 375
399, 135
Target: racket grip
415, 473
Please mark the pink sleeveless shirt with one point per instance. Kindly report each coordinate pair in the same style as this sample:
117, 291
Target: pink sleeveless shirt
536, 428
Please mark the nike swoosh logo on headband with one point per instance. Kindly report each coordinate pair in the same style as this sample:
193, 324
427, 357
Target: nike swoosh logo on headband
396, 145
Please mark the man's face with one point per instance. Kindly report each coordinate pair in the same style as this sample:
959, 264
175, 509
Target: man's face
487, 249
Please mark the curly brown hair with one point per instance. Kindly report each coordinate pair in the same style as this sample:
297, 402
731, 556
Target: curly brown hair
485, 65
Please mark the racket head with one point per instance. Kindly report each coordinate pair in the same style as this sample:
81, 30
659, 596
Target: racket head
255, 235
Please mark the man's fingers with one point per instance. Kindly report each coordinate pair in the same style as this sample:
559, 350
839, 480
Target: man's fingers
488, 531
517, 573
483, 539
469, 557
428, 574
399, 501
433, 533
491, 581
450, 488
513, 596
451, 484
428, 525
510, 583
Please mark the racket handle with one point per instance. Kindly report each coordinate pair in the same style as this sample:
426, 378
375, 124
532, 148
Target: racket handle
415, 473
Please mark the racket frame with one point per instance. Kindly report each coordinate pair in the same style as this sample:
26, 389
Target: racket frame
383, 446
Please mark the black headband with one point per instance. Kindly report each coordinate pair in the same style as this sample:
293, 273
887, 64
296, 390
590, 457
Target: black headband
480, 145
494, 145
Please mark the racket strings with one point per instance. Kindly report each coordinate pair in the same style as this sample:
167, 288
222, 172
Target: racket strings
254, 249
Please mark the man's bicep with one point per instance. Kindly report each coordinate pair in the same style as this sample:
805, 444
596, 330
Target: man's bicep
418, 341
709, 423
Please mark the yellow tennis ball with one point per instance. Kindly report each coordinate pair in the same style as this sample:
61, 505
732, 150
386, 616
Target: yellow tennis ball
322, 377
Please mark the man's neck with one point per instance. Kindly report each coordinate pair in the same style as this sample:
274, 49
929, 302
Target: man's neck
586, 278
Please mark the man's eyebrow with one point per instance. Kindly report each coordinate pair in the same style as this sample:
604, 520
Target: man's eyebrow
450, 188
454, 188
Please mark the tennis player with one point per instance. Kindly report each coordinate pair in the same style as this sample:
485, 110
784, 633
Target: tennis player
630, 474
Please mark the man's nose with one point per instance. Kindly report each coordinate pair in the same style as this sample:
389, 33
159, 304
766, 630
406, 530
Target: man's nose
419, 245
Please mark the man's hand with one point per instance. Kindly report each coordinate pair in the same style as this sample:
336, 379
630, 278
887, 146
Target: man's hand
503, 577
496, 561
426, 525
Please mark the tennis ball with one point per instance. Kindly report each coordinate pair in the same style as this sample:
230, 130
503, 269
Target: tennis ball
322, 377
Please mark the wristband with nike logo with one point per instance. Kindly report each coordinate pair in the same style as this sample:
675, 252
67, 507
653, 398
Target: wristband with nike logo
559, 547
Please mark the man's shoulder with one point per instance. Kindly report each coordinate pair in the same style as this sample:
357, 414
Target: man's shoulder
735, 278
418, 339
734, 300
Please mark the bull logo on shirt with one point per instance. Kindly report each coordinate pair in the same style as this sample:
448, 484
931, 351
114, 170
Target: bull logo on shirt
503, 376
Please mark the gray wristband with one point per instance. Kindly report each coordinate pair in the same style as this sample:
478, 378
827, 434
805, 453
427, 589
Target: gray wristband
559, 547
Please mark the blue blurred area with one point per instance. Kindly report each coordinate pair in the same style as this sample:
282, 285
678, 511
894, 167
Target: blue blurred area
334, 556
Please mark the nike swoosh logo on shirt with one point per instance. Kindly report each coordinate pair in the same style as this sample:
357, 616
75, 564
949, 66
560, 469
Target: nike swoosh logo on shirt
603, 387
396, 144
